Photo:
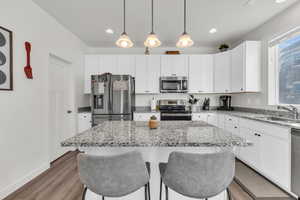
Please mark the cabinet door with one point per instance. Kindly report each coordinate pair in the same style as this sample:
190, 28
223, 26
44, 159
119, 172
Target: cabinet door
108, 64
153, 73
201, 73
222, 68
275, 157
199, 117
126, 65
174, 65
251, 154
147, 69
212, 119
84, 122
142, 75
237, 68
92, 67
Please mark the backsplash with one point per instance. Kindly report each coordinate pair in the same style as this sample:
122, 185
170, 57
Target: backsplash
145, 99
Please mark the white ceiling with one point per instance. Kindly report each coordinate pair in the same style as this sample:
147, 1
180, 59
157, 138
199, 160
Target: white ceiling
88, 19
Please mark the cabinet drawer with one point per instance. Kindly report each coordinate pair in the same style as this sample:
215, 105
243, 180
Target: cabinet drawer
199, 117
266, 128
145, 116
231, 119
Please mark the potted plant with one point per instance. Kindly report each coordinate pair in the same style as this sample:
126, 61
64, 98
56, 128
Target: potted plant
223, 47
153, 123
193, 101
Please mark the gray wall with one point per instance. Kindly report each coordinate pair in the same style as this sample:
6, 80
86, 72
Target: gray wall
278, 25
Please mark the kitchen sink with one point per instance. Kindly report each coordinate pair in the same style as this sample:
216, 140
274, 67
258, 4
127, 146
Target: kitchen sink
280, 119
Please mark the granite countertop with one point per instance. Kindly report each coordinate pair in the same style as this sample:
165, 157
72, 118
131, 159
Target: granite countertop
169, 134
254, 116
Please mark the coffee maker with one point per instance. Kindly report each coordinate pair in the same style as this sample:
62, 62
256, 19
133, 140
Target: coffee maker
225, 103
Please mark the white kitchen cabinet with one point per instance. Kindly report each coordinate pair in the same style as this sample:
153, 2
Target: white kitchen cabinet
201, 73
145, 116
108, 64
92, 67
174, 65
251, 154
199, 117
84, 122
212, 119
147, 69
126, 65
245, 67
275, 157
222, 72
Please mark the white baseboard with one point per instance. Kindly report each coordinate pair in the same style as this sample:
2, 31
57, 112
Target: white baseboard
22, 181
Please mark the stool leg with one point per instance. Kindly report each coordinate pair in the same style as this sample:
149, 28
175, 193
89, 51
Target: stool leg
84, 193
167, 193
160, 189
229, 194
149, 193
146, 192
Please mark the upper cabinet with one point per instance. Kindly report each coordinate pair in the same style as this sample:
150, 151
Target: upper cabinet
174, 65
147, 70
126, 65
245, 67
92, 67
222, 72
201, 73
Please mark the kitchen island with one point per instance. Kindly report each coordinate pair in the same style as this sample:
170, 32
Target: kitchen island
116, 137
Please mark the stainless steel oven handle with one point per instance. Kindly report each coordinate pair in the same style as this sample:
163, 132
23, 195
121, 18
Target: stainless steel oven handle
176, 114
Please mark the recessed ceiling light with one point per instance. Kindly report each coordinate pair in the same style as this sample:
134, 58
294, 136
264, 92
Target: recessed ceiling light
109, 31
213, 30
280, 1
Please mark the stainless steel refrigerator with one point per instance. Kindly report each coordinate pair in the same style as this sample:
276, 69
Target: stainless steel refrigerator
113, 97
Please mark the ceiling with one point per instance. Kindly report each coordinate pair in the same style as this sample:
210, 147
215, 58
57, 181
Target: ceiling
89, 19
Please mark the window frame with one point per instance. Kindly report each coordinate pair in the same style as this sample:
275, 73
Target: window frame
273, 66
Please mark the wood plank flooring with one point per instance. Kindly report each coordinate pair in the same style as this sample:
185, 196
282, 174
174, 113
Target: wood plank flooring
61, 182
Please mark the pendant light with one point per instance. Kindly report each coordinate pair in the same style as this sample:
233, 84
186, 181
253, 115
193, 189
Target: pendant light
124, 40
152, 40
185, 39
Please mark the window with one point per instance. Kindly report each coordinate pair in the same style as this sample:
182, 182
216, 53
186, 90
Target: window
285, 59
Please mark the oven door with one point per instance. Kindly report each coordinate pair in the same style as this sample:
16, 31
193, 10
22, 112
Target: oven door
176, 116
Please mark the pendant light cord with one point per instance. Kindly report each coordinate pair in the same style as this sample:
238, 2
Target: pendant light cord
184, 17
152, 29
124, 16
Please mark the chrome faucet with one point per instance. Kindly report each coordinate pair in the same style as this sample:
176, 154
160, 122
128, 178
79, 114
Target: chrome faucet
291, 109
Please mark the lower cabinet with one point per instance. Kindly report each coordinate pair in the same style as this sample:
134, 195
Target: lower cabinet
84, 122
145, 116
270, 153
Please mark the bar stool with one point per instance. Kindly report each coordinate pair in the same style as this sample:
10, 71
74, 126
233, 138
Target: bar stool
114, 176
198, 176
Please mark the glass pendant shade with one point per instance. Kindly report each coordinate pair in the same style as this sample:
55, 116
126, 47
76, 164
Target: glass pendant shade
152, 41
124, 41
185, 41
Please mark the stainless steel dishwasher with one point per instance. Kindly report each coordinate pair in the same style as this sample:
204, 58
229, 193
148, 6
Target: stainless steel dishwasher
296, 162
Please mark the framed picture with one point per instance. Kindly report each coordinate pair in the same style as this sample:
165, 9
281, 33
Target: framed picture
6, 59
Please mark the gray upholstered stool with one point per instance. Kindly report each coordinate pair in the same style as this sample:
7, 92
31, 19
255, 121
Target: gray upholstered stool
198, 176
114, 176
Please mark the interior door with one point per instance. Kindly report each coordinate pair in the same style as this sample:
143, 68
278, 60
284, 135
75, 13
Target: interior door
61, 106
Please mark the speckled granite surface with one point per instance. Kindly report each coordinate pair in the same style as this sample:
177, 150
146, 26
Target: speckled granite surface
169, 134
257, 117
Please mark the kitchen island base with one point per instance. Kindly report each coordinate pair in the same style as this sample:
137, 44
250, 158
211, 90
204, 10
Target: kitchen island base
154, 155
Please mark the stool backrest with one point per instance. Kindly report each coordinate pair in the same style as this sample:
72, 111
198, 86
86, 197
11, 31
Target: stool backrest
113, 176
199, 175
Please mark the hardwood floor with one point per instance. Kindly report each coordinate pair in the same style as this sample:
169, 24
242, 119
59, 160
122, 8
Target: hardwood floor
61, 182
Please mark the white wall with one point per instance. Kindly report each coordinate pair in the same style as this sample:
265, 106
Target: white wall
23, 112
278, 25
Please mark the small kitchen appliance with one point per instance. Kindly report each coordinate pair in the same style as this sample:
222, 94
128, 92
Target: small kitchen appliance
113, 97
225, 103
174, 109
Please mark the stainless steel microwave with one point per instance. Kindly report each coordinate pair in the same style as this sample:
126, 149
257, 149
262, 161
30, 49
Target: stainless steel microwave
174, 84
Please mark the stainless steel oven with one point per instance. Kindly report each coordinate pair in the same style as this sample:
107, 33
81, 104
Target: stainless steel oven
174, 84
171, 109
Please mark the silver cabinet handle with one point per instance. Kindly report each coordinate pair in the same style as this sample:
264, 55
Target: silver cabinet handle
69, 111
